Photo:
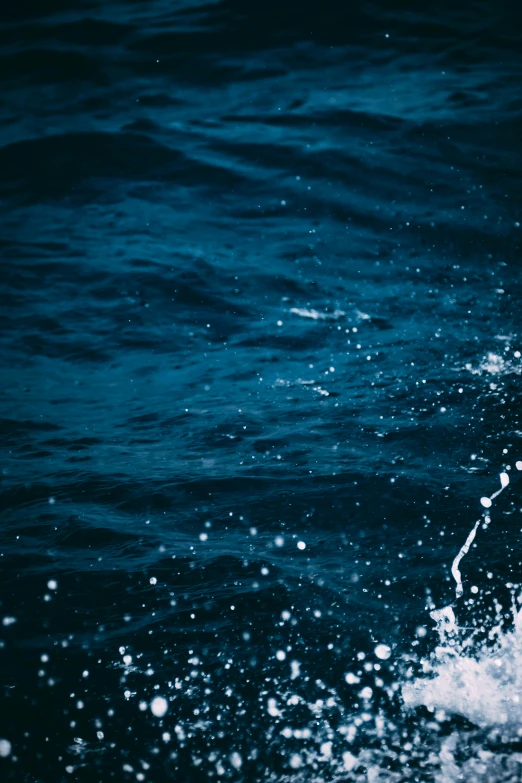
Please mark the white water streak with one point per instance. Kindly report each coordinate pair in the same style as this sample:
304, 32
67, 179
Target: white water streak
463, 551
504, 482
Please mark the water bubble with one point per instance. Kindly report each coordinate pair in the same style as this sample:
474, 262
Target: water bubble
5, 748
295, 668
326, 749
159, 706
382, 651
236, 760
349, 760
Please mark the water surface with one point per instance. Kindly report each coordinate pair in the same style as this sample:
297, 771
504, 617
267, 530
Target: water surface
260, 360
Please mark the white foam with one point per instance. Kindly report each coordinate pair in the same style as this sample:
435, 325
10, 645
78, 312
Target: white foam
494, 364
483, 684
316, 315
349, 761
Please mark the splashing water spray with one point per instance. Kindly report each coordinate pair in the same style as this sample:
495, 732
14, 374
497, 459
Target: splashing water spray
445, 617
486, 503
482, 682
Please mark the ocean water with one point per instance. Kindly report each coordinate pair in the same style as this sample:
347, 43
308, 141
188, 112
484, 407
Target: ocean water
261, 355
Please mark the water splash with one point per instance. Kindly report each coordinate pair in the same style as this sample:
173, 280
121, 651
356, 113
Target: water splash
486, 502
481, 681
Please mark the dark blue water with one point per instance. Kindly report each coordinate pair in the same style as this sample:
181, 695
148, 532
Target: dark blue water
260, 323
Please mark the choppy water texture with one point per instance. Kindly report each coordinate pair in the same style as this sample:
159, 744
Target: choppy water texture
260, 355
